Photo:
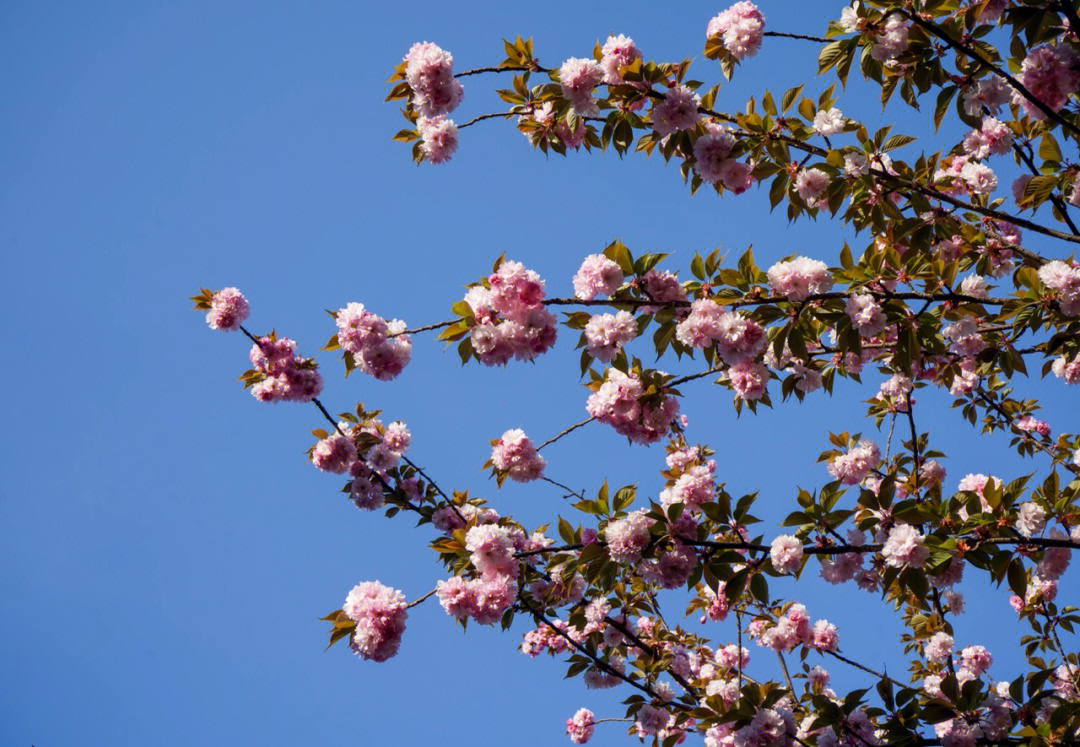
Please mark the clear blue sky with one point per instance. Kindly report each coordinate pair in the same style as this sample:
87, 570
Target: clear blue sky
165, 551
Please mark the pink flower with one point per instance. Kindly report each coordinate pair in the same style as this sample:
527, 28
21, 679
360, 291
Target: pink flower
829, 122
939, 647
711, 153
979, 177
989, 92
617, 52
992, 137
693, 488
515, 455
429, 71
1064, 278
1067, 370
1029, 423
825, 637
492, 550
617, 403
580, 727
676, 112
740, 27
662, 287
904, 548
228, 310
964, 338
359, 328
578, 77
786, 554
439, 138
606, 334
598, 276
975, 285
1048, 75
671, 570
379, 613
1019, 184
1055, 559
334, 454
865, 314
749, 379
736, 176
799, 278
811, 184
892, 41
650, 720
975, 659
857, 464
628, 536
456, 597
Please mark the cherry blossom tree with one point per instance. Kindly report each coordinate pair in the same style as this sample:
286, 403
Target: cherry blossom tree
940, 293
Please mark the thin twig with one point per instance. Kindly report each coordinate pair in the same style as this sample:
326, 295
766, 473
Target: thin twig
564, 432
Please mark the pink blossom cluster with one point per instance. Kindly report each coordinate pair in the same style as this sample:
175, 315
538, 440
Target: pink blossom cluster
671, 569
663, 287
828, 122
846, 566
992, 137
959, 174
228, 310
438, 138
1063, 277
546, 638
598, 276
429, 71
712, 161
1050, 75
606, 334
749, 379
334, 453
514, 454
677, 111
964, 338
811, 184
447, 519
1031, 424
905, 547
1055, 560
580, 727
618, 52
1067, 370
892, 41
740, 27
738, 338
627, 537
786, 553
990, 93
379, 348
578, 77
483, 599
650, 720
975, 285
618, 403
379, 613
865, 313
798, 278
384, 448
693, 488
511, 319
857, 464
793, 629
288, 377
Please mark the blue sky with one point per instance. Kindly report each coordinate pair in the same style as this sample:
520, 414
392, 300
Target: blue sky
165, 551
